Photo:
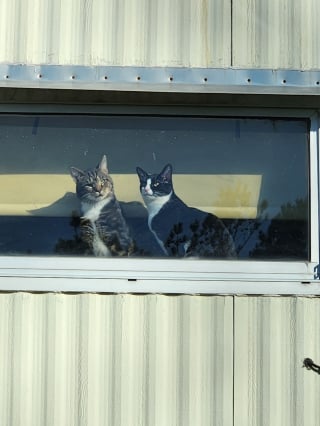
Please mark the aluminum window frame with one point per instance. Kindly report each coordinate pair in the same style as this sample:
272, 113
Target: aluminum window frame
114, 275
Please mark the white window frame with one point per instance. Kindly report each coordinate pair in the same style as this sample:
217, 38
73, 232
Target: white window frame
110, 275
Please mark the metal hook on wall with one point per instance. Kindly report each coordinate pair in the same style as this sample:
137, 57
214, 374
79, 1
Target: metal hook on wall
310, 365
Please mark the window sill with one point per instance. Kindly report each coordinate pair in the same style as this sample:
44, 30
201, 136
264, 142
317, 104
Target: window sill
157, 276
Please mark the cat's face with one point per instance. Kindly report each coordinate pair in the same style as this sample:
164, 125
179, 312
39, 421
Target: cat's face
156, 185
93, 185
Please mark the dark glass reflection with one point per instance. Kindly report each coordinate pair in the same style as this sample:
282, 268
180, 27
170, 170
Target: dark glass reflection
276, 150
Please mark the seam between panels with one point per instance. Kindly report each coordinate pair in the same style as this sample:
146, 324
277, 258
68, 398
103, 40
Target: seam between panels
231, 33
233, 359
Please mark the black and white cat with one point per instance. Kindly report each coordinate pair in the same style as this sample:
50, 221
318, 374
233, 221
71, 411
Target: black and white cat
102, 225
181, 230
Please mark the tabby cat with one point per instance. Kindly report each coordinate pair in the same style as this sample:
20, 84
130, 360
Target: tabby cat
102, 225
181, 230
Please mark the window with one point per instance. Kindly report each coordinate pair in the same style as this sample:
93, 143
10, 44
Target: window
254, 173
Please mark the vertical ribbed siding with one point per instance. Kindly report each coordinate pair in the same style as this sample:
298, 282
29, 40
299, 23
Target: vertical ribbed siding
182, 33
115, 360
116, 32
276, 34
158, 360
272, 338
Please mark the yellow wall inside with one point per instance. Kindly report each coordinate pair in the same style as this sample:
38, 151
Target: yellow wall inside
227, 196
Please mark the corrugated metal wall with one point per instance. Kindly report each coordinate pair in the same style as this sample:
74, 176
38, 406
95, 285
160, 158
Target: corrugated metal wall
273, 335
158, 360
116, 32
175, 33
276, 34
115, 360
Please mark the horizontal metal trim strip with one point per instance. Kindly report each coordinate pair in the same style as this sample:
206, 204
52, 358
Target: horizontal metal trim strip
153, 265
161, 79
161, 286
131, 274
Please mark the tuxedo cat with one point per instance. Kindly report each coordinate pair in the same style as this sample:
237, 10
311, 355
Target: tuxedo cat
181, 230
102, 224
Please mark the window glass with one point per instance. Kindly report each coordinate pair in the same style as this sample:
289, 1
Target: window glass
241, 186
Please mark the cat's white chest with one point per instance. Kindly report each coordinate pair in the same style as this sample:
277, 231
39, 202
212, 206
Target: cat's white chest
154, 205
92, 211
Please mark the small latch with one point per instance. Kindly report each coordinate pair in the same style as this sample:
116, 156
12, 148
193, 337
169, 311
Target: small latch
310, 365
317, 272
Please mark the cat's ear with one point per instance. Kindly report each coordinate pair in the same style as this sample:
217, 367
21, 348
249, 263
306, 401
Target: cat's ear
103, 166
76, 173
166, 174
141, 173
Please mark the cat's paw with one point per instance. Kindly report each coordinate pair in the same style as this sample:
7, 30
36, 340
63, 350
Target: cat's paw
100, 250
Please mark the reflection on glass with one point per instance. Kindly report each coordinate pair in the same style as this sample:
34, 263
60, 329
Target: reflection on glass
242, 185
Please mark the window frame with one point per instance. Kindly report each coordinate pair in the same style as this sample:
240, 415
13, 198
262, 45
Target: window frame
109, 275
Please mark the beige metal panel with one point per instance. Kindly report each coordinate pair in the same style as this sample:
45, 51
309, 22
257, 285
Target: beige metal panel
115, 360
116, 32
273, 336
276, 34
182, 33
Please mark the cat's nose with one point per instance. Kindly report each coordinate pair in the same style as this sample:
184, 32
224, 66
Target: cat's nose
148, 190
